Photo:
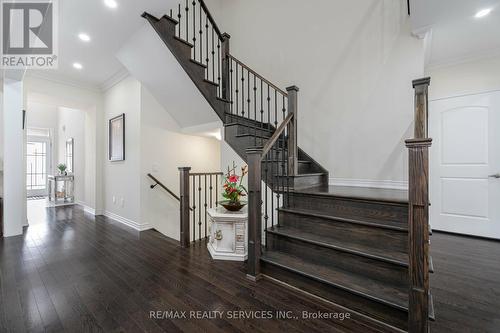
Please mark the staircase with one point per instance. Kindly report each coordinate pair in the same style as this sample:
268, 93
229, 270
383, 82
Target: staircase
352, 247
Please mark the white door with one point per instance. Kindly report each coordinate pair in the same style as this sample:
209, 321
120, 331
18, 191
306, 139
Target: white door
464, 164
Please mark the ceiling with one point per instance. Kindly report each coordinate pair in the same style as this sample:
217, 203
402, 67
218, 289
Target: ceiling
456, 34
108, 29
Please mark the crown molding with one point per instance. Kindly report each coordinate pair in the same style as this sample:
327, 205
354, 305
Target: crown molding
64, 81
114, 79
453, 61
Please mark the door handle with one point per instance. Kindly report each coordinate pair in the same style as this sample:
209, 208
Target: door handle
494, 176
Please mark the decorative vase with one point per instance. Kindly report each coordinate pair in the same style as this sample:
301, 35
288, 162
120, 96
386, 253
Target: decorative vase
233, 206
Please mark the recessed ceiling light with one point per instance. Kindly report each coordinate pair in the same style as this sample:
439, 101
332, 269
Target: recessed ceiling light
111, 3
482, 13
77, 65
84, 37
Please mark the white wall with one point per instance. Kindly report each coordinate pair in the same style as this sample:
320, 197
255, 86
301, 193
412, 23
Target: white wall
353, 62
464, 78
163, 150
122, 178
154, 145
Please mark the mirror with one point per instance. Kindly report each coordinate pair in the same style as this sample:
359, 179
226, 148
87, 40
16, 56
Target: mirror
69, 154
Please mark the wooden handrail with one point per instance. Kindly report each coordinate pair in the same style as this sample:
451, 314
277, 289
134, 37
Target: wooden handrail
211, 19
205, 173
258, 75
272, 140
157, 182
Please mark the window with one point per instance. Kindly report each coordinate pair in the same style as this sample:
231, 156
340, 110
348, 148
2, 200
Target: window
36, 168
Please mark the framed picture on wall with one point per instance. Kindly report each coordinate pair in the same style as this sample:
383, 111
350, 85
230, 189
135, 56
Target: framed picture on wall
117, 138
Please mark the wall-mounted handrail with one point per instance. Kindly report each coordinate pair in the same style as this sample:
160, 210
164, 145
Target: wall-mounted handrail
157, 182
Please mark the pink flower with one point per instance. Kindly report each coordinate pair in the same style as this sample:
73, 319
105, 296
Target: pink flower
233, 179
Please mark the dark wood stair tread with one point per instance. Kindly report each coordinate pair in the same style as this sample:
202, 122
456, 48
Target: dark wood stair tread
196, 61
244, 135
340, 243
365, 221
375, 290
186, 43
311, 174
366, 193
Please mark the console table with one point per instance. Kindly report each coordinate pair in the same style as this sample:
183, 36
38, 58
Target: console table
228, 234
61, 189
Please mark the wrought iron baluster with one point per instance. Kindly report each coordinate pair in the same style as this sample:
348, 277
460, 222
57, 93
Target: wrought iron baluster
261, 110
206, 39
268, 106
255, 109
194, 208
201, 35
248, 98
187, 21
219, 59
287, 175
205, 206
275, 108
179, 16
237, 91
211, 188
199, 205
266, 216
242, 92
284, 109
231, 82
273, 177
216, 191
194, 29
213, 57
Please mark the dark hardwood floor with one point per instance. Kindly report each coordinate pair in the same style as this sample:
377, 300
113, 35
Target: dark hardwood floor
72, 272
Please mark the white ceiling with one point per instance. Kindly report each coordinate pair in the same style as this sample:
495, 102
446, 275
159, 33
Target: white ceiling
456, 34
108, 29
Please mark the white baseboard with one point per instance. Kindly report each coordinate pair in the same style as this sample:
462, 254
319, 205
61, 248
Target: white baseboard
88, 209
128, 222
388, 184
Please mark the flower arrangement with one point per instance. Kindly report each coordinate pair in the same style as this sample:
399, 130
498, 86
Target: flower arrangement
233, 189
62, 168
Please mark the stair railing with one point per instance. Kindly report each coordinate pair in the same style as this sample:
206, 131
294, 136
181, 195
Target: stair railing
249, 95
271, 163
197, 27
198, 193
418, 220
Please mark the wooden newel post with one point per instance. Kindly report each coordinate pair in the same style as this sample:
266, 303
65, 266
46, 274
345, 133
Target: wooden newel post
184, 210
418, 215
225, 65
254, 158
293, 150
418, 234
421, 87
